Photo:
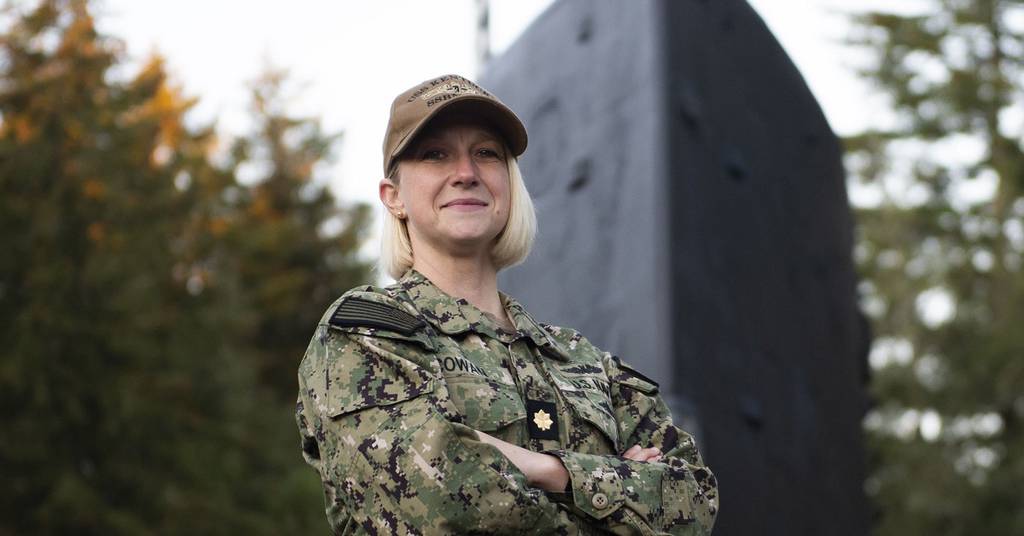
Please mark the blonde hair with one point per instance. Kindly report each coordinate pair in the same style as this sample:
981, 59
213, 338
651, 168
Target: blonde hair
511, 248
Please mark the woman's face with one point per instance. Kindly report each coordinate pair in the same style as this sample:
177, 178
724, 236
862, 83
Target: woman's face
453, 188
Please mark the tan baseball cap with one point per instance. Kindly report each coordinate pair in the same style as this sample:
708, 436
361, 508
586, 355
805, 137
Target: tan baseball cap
415, 107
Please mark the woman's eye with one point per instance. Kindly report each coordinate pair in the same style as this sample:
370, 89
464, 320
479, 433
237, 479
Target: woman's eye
489, 153
432, 154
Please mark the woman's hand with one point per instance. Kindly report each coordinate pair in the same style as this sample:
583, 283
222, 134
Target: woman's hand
638, 454
542, 471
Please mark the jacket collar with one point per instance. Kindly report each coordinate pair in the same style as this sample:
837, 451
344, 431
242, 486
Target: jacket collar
532, 329
455, 316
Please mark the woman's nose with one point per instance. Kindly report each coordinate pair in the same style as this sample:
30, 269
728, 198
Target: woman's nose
465, 170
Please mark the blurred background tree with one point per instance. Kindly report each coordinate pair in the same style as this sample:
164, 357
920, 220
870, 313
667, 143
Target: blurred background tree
293, 246
940, 257
153, 306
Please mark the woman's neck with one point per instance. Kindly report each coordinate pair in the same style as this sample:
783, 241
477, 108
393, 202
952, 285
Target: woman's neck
474, 280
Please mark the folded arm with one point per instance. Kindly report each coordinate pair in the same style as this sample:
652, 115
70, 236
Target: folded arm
675, 493
375, 426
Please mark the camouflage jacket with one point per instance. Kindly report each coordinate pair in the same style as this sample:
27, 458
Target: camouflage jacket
396, 380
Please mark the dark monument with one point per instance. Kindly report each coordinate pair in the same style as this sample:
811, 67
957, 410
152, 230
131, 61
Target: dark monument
694, 220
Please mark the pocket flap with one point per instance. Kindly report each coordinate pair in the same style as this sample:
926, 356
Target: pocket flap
372, 381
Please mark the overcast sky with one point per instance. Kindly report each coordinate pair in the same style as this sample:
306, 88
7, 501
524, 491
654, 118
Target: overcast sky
352, 57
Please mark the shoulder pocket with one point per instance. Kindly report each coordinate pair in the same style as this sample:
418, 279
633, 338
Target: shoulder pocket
360, 378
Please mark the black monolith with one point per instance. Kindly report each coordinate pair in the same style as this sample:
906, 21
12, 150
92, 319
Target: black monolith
694, 220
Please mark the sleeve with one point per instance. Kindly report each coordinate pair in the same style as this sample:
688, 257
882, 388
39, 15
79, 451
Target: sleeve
676, 495
375, 425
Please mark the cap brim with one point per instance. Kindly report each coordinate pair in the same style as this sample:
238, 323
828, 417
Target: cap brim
493, 113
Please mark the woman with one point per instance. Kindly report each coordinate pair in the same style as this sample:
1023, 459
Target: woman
439, 405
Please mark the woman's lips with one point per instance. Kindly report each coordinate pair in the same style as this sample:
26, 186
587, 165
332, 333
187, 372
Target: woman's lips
465, 204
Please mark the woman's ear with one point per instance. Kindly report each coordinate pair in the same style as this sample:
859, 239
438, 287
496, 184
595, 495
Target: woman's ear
388, 192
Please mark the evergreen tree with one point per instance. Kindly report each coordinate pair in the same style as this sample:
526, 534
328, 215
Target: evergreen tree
290, 250
296, 249
133, 382
942, 268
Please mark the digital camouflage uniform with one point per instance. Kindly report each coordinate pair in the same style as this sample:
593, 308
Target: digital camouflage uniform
396, 380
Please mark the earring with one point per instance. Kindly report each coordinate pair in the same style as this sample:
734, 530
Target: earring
400, 215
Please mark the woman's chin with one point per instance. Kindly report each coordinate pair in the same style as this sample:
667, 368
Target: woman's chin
469, 245
470, 235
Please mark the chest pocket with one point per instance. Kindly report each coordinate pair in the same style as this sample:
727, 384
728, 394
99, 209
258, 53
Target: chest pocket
486, 401
588, 393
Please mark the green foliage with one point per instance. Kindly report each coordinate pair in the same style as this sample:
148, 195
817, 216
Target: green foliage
947, 446
153, 309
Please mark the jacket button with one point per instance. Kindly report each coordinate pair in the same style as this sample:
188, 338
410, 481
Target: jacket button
600, 501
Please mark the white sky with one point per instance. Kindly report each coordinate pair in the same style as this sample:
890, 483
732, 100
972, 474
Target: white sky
351, 57
348, 58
